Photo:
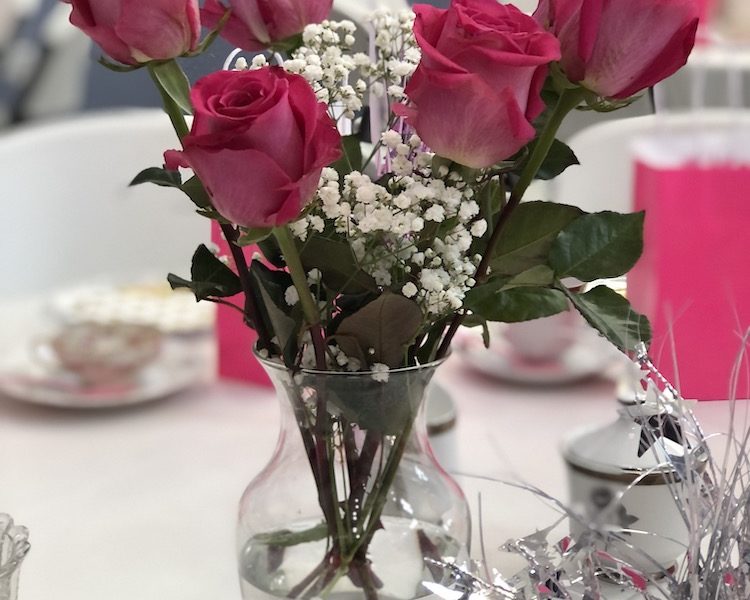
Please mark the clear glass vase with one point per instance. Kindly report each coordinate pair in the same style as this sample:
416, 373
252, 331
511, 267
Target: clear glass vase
14, 544
353, 504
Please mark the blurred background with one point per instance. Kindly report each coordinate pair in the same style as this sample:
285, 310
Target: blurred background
48, 69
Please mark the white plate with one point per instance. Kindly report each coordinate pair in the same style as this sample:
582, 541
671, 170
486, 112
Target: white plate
180, 365
587, 357
146, 303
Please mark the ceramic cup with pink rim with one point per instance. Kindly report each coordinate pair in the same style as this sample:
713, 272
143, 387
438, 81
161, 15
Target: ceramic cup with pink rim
543, 340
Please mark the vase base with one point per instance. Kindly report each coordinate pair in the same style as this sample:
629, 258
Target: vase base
403, 555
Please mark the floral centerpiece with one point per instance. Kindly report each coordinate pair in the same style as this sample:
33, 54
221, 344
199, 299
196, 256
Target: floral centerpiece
373, 244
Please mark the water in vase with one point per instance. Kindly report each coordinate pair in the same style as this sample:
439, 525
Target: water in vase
397, 553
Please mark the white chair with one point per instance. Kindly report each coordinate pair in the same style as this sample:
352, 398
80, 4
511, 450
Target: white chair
68, 214
604, 179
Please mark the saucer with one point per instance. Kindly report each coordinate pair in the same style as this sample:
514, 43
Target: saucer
179, 366
588, 356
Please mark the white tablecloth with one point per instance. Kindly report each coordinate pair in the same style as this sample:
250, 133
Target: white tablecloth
139, 503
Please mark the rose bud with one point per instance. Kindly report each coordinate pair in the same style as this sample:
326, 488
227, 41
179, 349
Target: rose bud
616, 48
259, 24
138, 32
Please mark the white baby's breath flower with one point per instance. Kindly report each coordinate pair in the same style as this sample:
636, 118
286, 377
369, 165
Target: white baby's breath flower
291, 296
396, 91
314, 276
409, 290
479, 228
435, 213
391, 138
468, 210
299, 229
330, 174
380, 372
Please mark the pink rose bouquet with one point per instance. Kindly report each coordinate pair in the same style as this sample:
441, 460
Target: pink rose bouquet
378, 243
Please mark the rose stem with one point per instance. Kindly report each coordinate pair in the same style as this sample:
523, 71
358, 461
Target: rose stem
243, 272
170, 106
567, 101
181, 128
323, 453
309, 307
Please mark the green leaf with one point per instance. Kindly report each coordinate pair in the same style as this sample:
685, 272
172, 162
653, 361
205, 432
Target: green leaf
337, 264
528, 235
560, 157
289, 45
270, 288
611, 314
271, 251
285, 537
194, 189
494, 303
159, 176
174, 82
538, 276
491, 199
211, 278
117, 67
597, 246
351, 158
251, 237
386, 325
377, 406
211, 35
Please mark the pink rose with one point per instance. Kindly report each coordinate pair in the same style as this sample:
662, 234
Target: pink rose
257, 24
134, 31
617, 48
477, 88
258, 142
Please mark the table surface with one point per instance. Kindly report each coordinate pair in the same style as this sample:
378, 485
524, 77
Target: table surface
140, 503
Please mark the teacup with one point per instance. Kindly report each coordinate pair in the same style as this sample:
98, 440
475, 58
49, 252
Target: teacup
545, 339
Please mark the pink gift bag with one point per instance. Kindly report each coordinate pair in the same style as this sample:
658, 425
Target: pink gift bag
234, 339
693, 280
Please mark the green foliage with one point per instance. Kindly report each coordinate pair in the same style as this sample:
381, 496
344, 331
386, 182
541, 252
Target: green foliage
210, 278
496, 302
334, 258
387, 326
158, 176
529, 234
560, 157
611, 314
269, 287
599, 245
192, 188
173, 82
251, 237
544, 243
385, 409
351, 158
284, 538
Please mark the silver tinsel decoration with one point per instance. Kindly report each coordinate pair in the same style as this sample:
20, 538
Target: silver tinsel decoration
711, 493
